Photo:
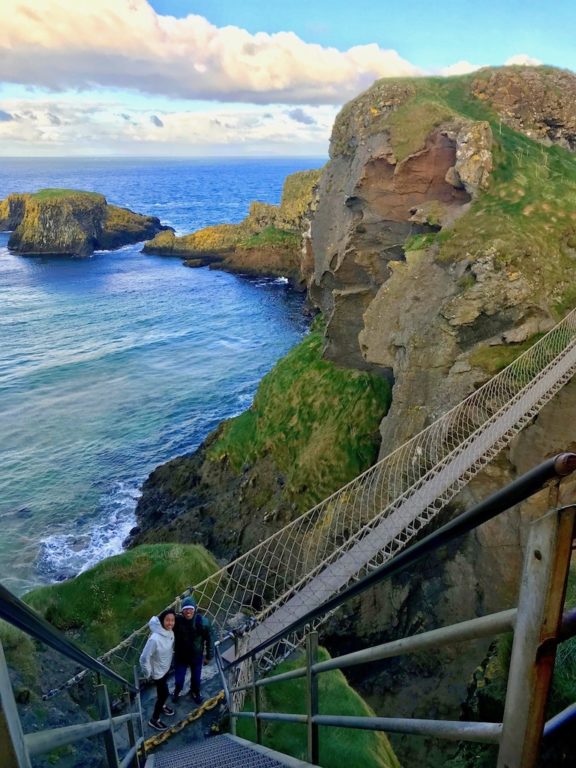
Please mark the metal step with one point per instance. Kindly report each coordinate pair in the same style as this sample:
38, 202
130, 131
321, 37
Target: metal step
224, 752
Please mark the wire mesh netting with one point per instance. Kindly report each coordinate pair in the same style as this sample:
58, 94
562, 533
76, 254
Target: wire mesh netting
369, 520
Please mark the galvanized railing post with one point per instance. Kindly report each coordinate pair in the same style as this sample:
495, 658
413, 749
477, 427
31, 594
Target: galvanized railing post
131, 730
540, 604
312, 696
231, 705
138, 703
14, 750
256, 691
105, 714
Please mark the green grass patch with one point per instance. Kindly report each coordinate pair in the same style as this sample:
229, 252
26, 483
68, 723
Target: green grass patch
318, 422
19, 649
411, 124
338, 746
494, 359
271, 237
55, 194
105, 604
420, 242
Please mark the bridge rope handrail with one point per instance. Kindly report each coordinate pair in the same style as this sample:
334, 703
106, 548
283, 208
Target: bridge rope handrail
372, 517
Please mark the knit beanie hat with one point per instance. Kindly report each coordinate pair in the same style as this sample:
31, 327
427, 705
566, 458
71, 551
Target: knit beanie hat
189, 602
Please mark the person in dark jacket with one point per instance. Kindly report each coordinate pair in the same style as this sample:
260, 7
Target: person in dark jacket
192, 648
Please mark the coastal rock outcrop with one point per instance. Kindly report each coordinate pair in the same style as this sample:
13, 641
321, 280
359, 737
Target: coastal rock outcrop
267, 242
443, 306
70, 222
538, 101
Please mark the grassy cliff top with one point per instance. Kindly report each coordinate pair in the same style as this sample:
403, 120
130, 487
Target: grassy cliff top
527, 214
265, 226
63, 194
529, 99
105, 604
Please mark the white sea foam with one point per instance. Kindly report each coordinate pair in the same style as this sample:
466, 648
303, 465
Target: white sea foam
64, 555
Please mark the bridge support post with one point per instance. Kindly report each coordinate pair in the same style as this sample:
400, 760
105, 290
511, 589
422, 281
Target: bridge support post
12, 744
312, 696
141, 754
256, 691
540, 603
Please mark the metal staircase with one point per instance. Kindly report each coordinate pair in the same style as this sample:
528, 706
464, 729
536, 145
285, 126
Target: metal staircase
224, 752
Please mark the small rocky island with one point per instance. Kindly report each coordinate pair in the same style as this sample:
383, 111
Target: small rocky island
71, 223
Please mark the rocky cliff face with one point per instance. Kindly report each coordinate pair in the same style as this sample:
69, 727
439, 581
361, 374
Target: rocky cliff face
67, 222
267, 242
428, 256
443, 245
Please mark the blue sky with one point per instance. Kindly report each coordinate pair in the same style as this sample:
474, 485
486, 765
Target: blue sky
430, 35
224, 77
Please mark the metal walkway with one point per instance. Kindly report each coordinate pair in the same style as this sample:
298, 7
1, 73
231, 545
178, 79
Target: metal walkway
224, 752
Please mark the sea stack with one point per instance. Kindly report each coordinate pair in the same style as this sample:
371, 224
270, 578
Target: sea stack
71, 223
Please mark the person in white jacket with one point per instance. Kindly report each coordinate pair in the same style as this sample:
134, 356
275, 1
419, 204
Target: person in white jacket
156, 660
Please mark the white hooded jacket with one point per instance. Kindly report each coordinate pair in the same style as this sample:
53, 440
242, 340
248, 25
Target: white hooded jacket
156, 658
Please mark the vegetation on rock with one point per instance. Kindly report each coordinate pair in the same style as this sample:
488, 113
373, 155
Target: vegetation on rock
70, 222
317, 422
104, 604
267, 241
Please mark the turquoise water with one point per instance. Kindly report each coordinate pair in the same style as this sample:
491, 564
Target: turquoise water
113, 364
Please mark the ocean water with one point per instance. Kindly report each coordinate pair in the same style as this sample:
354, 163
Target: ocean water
113, 364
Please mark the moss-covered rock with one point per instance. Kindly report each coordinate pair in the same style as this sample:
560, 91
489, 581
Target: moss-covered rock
267, 242
104, 604
71, 222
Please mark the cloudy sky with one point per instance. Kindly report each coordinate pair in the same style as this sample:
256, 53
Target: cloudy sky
236, 77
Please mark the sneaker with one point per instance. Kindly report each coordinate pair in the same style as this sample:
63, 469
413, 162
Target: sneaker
175, 697
157, 725
197, 698
168, 711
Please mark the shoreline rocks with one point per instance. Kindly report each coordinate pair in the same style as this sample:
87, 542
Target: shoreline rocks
268, 242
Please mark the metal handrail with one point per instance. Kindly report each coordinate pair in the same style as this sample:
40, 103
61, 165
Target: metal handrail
484, 626
519, 490
40, 742
537, 623
16, 612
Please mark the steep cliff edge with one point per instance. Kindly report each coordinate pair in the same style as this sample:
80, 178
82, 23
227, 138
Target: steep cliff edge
444, 290
70, 222
267, 242
444, 240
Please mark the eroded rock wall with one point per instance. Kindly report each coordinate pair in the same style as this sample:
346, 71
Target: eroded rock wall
442, 325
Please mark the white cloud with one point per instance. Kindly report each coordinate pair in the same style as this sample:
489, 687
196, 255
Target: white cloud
460, 68
524, 60
62, 44
49, 127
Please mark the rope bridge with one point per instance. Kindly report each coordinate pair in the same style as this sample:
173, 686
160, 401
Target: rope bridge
369, 520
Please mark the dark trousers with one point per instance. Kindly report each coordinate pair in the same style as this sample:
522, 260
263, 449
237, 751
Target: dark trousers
161, 695
195, 675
